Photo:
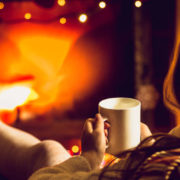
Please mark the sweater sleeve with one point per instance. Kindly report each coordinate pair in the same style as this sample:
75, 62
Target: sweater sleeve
75, 168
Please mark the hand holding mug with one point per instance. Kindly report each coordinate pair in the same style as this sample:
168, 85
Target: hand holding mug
94, 140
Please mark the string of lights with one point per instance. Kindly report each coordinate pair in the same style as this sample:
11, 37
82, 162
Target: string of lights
138, 4
28, 16
80, 17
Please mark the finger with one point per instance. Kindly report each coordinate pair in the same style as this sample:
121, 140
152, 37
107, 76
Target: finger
99, 123
145, 131
106, 125
107, 141
88, 126
106, 132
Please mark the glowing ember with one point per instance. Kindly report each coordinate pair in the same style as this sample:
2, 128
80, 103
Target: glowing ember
14, 96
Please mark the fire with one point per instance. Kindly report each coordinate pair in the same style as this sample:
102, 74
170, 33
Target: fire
14, 96
61, 63
55, 63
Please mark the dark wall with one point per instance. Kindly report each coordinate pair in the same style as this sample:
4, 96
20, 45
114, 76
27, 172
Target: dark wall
115, 39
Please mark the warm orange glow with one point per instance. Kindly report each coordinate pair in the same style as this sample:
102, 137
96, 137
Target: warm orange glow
109, 159
102, 4
62, 20
40, 52
27, 16
138, 4
60, 69
83, 18
8, 116
1, 5
61, 2
75, 149
14, 96
168, 88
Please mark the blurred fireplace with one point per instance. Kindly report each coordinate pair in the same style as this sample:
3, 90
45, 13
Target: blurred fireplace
72, 66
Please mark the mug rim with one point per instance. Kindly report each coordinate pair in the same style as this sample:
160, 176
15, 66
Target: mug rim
102, 104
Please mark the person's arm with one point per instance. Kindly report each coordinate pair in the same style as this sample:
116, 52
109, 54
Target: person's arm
75, 168
94, 139
21, 153
13, 147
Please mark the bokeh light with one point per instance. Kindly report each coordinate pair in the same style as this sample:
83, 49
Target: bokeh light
75, 149
1, 5
61, 2
102, 4
27, 16
63, 20
83, 18
138, 4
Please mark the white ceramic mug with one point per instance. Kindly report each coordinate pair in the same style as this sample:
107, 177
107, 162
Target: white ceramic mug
124, 116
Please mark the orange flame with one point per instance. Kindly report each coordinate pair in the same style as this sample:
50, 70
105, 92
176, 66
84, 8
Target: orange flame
62, 68
14, 96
